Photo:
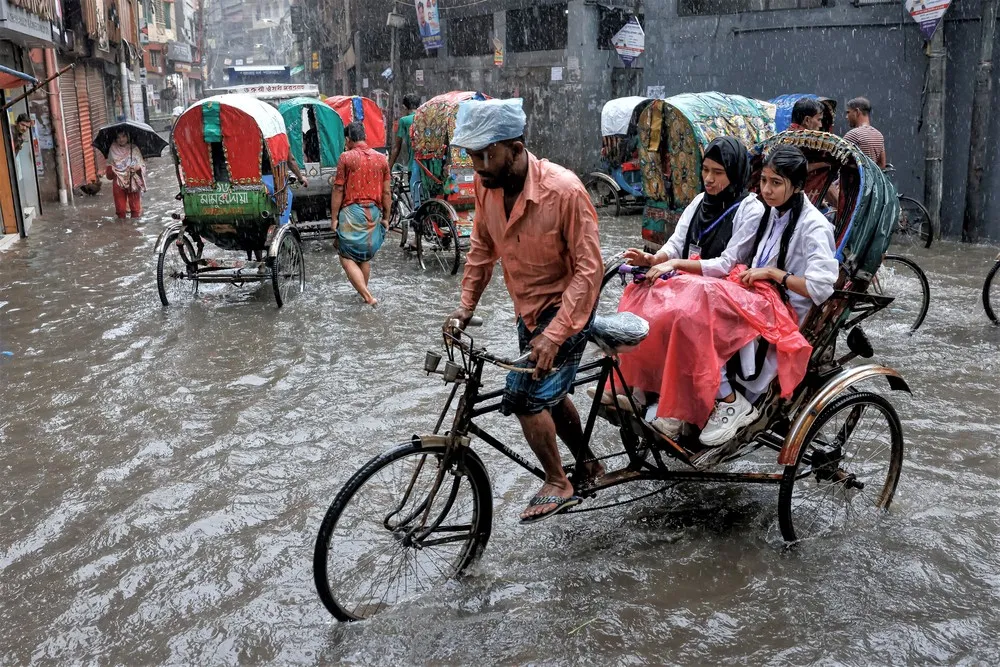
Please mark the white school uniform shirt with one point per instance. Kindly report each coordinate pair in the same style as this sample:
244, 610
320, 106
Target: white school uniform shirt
812, 255
740, 244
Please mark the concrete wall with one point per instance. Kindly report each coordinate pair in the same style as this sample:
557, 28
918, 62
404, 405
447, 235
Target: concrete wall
840, 52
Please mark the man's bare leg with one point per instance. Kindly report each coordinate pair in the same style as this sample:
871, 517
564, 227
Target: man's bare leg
357, 278
540, 432
366, 271
569, 427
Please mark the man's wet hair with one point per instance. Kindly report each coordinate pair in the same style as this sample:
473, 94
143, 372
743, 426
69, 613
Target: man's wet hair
23, 118
805, 108
355, 131
411, 101
510, 142
860, 104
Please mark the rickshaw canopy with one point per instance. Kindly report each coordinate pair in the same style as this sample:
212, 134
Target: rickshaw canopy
363, 110
330, 129
434, 123
784, 104
248, 130
617, 114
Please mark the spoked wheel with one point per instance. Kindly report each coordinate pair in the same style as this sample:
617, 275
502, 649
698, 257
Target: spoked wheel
603, 196
914, 226
174, 280
399, 217
904, 281
384, 539
612, 286
288, 270
439, 237
991, 293
847, 471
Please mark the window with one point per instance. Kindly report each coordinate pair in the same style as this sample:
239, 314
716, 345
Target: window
470, 36
168, 22
611, 21
537, 28
376, 44
411, 47
155, 59
703, 7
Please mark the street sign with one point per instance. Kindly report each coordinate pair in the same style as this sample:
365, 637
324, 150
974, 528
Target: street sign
928, 13
629, 42
497, 52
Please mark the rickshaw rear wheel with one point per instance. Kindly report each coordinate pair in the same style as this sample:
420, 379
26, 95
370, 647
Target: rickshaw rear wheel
847, 470
991, 293
603, 196
288, 270
914, 226
378, 545
172, 270
902, 279
437, 234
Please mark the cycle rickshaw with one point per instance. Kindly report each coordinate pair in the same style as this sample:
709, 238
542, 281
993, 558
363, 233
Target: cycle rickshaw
364, 110
619, 184
230, 155
673, 134
316, 140
422, 511
442, 222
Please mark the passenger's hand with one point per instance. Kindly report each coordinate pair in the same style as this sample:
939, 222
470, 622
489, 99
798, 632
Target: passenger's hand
750, 276
637, 257
304, 182
463, 315
543, 354
659, 269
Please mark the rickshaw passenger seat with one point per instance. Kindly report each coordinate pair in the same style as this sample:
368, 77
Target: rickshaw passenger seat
619, 332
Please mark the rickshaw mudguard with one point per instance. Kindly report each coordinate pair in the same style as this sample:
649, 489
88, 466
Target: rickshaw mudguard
432, 440
274, 235
789, 453
430, 204
600, 176
161, 241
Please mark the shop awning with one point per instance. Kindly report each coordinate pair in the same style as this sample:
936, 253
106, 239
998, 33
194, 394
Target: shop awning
11, 78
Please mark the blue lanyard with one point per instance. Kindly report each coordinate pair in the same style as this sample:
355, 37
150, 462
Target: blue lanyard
768, 252
701, 237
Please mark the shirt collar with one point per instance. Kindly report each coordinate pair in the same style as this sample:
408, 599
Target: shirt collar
531, 190
360, 145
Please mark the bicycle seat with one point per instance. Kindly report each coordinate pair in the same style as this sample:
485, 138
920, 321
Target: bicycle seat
619, 332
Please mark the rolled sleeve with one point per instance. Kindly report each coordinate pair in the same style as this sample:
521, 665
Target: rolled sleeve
822, 268
740, 247
579, 225
479, 261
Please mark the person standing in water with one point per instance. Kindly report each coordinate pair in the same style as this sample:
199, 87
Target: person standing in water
127, 171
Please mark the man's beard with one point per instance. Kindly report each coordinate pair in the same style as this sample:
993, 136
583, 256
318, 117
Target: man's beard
497, 181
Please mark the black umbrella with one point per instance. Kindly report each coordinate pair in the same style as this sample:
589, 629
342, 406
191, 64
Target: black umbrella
149, 142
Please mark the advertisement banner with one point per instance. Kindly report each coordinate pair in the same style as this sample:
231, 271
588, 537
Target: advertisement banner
928, 13
629, 42
429, 24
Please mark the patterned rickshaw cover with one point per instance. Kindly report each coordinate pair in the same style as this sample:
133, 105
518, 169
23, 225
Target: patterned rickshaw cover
673, 134
355, 108
330, 130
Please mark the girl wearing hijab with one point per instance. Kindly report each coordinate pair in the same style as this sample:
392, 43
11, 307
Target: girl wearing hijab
718, 225
698, 324
126, 170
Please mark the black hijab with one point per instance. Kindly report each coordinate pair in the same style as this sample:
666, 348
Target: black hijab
732, 155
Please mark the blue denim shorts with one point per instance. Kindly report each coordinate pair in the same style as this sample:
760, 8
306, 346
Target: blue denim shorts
523, 394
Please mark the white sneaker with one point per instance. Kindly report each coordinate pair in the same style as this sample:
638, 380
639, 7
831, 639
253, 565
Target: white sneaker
726, 420
668, 427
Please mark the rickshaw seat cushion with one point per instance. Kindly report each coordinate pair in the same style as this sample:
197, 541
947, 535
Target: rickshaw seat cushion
619, 332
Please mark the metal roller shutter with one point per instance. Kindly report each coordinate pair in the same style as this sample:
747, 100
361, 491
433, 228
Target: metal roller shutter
98, 108
71, 122
86, 137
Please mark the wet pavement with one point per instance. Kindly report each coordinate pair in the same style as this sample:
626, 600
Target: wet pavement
166, 471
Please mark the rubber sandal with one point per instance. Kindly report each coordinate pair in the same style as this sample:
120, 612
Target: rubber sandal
561, 505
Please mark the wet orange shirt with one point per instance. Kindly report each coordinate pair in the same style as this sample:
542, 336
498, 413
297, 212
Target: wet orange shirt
363, 173
549, 249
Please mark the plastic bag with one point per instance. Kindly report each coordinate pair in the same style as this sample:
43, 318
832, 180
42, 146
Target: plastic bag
480, 124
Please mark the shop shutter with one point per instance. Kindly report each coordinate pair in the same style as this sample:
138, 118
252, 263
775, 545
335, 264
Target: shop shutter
86, 136
71, 122
98, 108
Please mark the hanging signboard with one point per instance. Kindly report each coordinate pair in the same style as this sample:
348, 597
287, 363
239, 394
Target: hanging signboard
629, 42
429, 24
928, 13
497, 52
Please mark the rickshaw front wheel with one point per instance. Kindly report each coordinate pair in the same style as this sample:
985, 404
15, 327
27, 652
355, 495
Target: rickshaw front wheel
174, 280
847, 470
390, 536
991, 294
288, 271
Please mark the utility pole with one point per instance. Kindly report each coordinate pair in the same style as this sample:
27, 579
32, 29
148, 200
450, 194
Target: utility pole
934, 88
972, 222
395, 21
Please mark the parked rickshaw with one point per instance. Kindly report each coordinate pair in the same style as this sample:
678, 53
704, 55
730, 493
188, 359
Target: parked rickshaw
619, 183
230, 155
316, 140
442, 223
364, 110
423, 511
783, 110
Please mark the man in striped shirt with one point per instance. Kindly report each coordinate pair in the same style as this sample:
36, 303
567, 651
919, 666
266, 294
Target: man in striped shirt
867, 138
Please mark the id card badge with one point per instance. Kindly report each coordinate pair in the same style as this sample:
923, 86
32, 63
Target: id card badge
694, 252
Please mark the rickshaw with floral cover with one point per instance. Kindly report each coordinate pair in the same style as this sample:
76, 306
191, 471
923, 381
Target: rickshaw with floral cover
316, 140
442, 223
673, 135
353, 109
422, 512
231, 159
619, 183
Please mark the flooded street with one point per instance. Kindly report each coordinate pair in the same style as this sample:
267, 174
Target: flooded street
166, 471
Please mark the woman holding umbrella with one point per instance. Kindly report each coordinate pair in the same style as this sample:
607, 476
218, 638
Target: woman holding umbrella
126, 144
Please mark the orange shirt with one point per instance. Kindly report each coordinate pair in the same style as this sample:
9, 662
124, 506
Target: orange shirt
363, 173
549, 249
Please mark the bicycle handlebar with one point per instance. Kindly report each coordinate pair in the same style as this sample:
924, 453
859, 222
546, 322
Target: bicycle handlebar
638, 273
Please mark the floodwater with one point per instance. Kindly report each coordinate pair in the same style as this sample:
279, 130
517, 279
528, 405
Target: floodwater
166, 472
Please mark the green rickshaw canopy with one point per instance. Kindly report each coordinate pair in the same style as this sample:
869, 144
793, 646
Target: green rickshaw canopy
330, 129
